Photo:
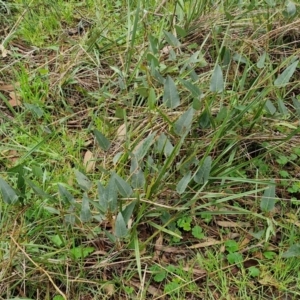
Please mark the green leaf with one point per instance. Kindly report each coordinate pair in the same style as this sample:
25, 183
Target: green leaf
163, 144
240, 59
268, 200
253, 271
180, 31
81, 252
170, 96
171, 39
231, 246
195, 91
183, 183
284, 78
57, 240
85, 214
293, 251
197, 232
270, 107
152, 98
160, 275
185, 223
261, 62
153, 41
297, 106
38, 191
184, 122
203, 173
291, 8
136, 174
282, 108
142, 148
83, 181
124, 188
8, 194
204, 120
58, 297
235, 258
66, 196
112, 195
269, 254
103, 142
127, 212
102, 196
120, 226
217, 82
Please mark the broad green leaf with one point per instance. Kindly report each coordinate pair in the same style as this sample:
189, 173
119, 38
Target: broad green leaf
38, 191
8, 194
163, 144
66, 196
70, 216
136, 174
203, 173
57, 240
231, 246
197, 232
185, 223
83, 181
19, 170
124, 188
180, 31
235, 258
196, 58
171, 39
152, 60
261, 62
268, 200
152, 99
297, 106
239, 58
160, 275
153, 42
157, 75
293, 251
270, 107
253, 271
192, 88
102, 196
217, 82
282, 108
112, 194
183, 183
120, 226
103, 142
271, 3
81, 251
142, 148
85, 214
127, 212
291, 8
58, 297
204, 120
284, 78
226, 57
184, 123
170, 96
34, 109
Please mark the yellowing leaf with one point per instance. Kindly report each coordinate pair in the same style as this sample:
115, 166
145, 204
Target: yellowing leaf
89, 161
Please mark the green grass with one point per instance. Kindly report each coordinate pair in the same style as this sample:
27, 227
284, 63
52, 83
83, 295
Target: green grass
149, 150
